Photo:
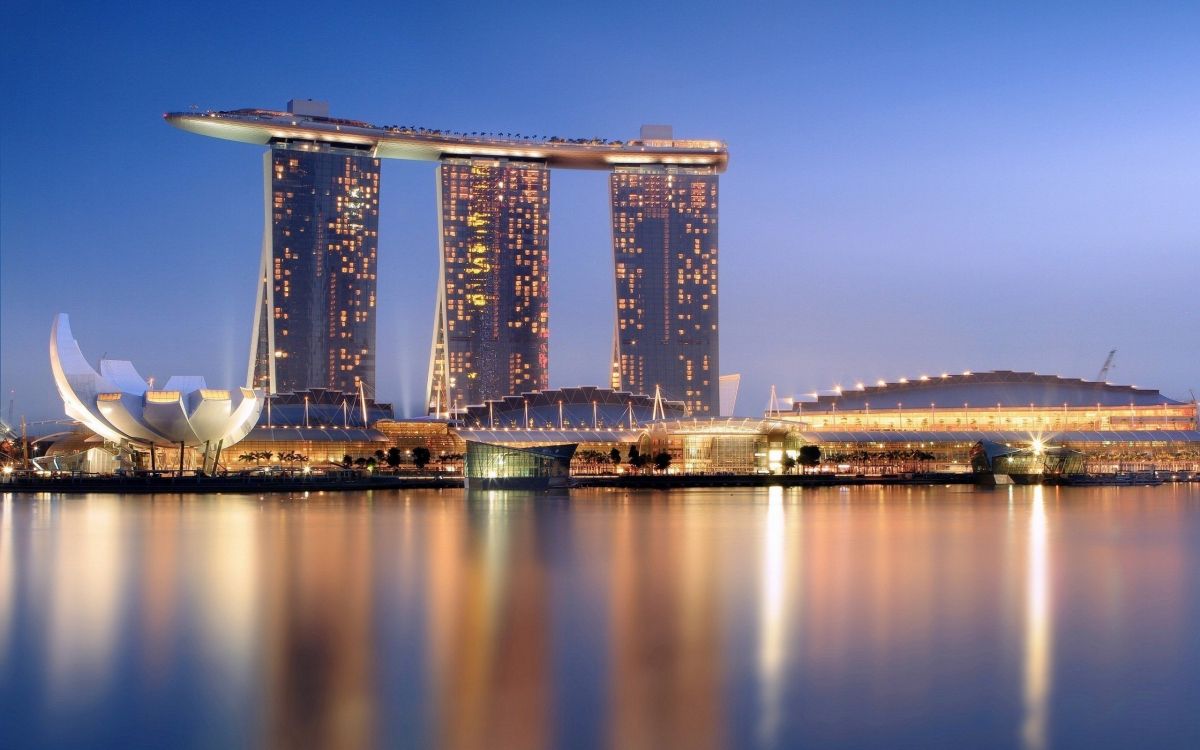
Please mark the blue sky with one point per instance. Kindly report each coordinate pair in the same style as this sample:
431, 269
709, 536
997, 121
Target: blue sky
913, 187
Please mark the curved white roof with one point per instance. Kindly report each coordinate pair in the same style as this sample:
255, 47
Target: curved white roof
117, 403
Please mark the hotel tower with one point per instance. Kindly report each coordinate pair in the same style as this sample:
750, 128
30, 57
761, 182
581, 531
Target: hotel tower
314, 321
664, 225
490, 336
314, 317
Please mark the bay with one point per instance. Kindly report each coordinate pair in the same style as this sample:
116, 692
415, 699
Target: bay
928, 617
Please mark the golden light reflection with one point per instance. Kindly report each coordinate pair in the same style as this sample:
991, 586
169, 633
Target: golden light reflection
228, 587
772, 648
615, 619
8, 565
317, 662
1038, 628
665, 689
488, 625
158, 574
86, 593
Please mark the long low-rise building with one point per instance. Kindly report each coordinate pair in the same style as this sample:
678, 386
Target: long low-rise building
935, 420
1000, 400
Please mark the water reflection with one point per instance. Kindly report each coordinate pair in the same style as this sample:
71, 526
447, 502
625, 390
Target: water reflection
773, 635
884, 617
489, 624
664, 586
8, 571
316, 652
84, 560
1038, 628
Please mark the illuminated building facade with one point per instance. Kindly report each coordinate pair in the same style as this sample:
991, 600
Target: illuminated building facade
490, 334
438, 436
722, 446
314, 320
1002, 400
491, 466
293, 448
664, 225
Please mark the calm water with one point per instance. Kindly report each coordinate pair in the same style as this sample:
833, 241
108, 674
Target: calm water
868, 617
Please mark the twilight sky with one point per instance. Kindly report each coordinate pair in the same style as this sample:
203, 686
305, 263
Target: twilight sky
913, 187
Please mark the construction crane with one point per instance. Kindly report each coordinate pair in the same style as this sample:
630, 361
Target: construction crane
1108, 363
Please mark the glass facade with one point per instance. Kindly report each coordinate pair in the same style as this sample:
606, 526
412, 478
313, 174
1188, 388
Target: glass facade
438, 436
722, 446
664, 225
316, 448
498, 466
315, 317
490, 330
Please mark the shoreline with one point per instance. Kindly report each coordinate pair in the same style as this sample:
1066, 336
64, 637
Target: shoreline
202, 485
288, 484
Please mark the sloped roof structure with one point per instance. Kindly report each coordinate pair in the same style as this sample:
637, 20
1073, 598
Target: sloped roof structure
583, 407
1005, 388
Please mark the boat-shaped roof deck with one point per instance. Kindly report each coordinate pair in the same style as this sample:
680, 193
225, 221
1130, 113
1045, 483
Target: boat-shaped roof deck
262, 126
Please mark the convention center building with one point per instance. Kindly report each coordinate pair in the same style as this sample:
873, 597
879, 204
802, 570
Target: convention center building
936, 420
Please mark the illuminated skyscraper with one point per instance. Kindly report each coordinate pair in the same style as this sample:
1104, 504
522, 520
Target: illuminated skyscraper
314, 321
490, 336
664, 221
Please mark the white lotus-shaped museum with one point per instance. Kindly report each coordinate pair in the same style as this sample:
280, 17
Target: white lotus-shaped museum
118, 404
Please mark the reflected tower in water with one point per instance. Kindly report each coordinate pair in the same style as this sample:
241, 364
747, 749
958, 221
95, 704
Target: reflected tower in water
665, 628
320, 664
488, 625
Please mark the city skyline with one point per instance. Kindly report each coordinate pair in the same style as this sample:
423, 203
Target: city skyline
979, 170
